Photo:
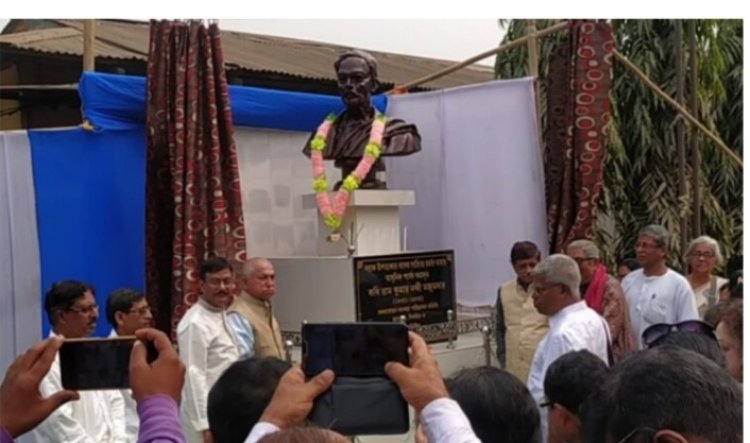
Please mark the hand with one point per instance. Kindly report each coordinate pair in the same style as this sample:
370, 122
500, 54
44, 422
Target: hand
22, 406
293, 399
165, 375
421, 383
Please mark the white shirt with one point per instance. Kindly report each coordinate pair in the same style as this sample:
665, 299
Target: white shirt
207, 347
132, 422
442, 419
665, 298
97, 417
573, 328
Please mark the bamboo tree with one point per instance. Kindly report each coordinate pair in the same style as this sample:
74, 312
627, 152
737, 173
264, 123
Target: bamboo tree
641, 163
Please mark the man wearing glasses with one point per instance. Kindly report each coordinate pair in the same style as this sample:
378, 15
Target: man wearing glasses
98, 417
655, 293
128, 311
573, 326
208, 343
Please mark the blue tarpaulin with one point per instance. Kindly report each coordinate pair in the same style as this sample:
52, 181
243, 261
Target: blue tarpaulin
118, 102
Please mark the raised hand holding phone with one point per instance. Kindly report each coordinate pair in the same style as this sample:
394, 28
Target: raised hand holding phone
165, 376
22, 406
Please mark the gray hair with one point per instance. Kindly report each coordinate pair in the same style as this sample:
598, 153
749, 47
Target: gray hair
559, 269
366, 56
658, 233
248, 269
589, 248
704, 240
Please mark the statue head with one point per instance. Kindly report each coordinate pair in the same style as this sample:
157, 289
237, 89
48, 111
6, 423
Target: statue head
357, 77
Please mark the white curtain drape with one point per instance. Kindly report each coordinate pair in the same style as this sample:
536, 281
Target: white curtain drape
479, 179
20, 299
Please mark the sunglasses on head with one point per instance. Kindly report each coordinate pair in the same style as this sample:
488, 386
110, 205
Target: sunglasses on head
655, 333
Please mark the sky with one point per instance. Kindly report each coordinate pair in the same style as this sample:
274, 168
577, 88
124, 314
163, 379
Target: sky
436, 38
446, 39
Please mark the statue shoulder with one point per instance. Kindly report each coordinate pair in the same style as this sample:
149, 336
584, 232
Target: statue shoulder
395, 127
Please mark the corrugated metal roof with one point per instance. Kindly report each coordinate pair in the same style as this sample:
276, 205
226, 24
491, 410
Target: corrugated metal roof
254, 52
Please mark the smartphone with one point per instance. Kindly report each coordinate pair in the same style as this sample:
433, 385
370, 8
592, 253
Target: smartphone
98, 363
353, 349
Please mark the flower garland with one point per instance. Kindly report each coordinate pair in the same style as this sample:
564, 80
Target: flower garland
333, 213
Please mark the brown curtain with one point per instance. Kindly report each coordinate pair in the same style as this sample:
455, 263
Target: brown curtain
578, 112
193, 198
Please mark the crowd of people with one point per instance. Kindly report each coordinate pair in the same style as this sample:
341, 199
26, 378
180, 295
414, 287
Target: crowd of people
574, 343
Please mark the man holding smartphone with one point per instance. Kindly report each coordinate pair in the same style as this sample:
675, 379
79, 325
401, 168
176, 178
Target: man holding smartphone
208, 344
127, 312
99, 416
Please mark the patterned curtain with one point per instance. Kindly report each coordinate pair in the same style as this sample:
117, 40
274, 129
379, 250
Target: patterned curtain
580, 79
193, 198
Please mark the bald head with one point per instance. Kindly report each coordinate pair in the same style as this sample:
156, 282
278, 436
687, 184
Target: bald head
259, 277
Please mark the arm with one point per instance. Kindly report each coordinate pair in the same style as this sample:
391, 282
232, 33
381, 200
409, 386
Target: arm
423, 388
243, 333
291, 403
160, 421
193, 344
156, 388
445, 422
500, 329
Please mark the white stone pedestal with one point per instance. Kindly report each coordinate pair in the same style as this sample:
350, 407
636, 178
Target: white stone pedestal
371, 219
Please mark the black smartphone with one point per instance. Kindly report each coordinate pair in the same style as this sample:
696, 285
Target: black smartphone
353, 349
98, 363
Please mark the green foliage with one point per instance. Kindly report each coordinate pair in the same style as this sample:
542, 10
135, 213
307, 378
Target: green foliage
641, 176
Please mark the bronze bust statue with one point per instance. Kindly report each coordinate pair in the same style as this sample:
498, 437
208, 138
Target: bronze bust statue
357, 77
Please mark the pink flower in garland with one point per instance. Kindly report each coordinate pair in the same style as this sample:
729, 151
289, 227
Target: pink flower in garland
319, 168
334, 212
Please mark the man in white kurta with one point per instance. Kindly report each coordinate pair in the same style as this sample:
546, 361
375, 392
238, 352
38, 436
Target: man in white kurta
128, 311
573, 326
207, 345
98, 416
655, 293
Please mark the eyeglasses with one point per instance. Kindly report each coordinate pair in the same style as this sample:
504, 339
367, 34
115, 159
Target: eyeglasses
93, 309
140, 311
629, 436
217, 282
703, 254
655, 333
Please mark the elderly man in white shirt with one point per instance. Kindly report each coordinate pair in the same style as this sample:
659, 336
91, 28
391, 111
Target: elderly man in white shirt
128, 311
573, 326
655, 293
99, 416
208, 343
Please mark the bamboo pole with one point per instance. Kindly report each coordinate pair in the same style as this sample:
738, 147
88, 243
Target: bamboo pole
680, 134
534, 72
453, 68
89, 40
628, 64
695, 154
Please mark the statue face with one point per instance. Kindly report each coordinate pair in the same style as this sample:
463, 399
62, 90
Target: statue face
355, 82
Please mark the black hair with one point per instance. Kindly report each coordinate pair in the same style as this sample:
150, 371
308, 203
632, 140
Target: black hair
498, 405
629, 263
571, 378
63, 294
700, 343
121, 300
672, 388
524, 250
213, 265
239, 396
